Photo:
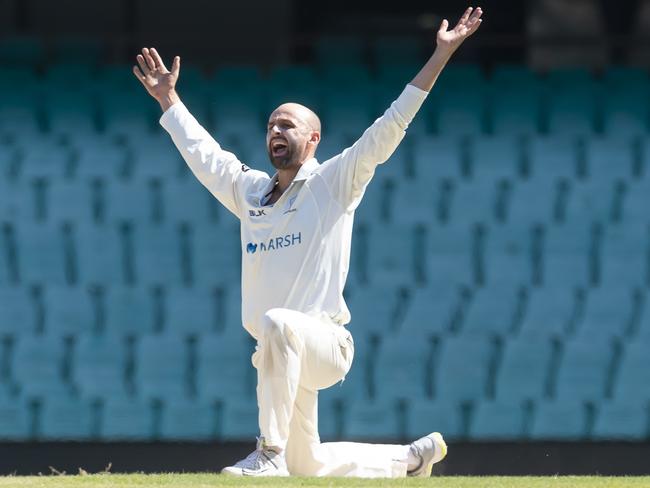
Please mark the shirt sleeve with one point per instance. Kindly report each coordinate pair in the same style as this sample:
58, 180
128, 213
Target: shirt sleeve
348, 173
218, 170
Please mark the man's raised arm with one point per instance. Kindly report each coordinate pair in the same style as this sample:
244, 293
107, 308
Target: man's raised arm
218, 170
350, 172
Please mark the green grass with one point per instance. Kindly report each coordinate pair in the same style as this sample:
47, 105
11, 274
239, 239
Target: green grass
212, 480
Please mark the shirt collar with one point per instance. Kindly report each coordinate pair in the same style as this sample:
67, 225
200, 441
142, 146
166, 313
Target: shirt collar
303, 173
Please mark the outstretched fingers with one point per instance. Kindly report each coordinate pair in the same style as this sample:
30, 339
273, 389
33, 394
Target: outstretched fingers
465, 16
157, 59
138, 74
142, 63
147, 57
176, 65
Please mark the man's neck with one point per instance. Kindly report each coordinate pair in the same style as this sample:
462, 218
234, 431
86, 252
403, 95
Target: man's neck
285, 177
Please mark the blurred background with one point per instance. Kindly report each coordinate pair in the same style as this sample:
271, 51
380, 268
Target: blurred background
501, 258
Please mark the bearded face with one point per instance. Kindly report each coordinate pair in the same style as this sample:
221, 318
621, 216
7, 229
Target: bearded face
287, 139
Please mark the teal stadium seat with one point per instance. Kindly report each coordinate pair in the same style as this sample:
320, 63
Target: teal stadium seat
437, 159
431, 311
70, 113
566, 259
98, 252
191, 310
636, 202
230, 309
46, 158
71, 201
21, 51
295, 83
15, 420
495, 158
162, 369
186, 420
374, 206
572, 101
459, 112
625, 110
238, 420
129, 201
331, 145
379, 419
462, 371
524, 370
441, 415
41, 254
550, 311
68, 311
216, 254
17, 311
127, 420
507, 255
631, 385
551, 158
155, 156
559, 421
100, 363
416, 202
535, 201
585, 369
158, 255
188, 201
609, 312
621, 421
128, 112
475, 202
596, 200
402, 368
66, 420
624, 250
610, 158
516, 101
393, 257
375, 309
99, 156
238, 114
347, 113
450, 255
492, 311
498, 421
128, 310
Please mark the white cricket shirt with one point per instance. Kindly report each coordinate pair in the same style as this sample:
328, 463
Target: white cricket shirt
295, 253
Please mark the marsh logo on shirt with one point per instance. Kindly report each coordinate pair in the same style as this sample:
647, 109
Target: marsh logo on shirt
274, 243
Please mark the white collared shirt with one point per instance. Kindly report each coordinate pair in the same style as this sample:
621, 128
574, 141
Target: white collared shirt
295, 253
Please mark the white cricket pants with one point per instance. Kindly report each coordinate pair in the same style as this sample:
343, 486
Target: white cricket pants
296, 356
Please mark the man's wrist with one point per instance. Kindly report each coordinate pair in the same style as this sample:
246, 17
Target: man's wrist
169, 99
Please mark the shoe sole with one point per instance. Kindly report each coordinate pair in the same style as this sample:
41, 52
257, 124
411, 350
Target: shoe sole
440, 444
230, 471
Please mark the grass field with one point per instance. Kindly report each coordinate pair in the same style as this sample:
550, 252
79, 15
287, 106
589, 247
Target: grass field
211, 480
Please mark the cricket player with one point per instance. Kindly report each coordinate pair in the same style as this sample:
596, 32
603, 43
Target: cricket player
296, 230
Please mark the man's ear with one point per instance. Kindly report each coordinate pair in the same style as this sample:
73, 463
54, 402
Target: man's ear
315, 137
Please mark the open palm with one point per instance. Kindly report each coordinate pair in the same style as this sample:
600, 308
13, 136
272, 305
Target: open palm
466, 26
154, 75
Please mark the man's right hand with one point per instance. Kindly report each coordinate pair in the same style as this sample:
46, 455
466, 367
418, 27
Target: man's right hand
156, 78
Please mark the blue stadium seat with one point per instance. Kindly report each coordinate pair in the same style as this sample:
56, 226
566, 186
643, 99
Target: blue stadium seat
624, 248
463, 369
347, 113
99, 157
99, 256
216, 255
18, 120
375, 308
374, 206
70, 112
437, 158
593, 201
566, 258
129, 201
15, 420
37, 366
44, 158
238, 114
127, 113
551, 158
183, 419
72, 201
127, 420
549, 312
496, 157
636, 202
609, 312
17, 311
498, 421
631, 385
450, 254
392, 257
507, 258
584, 370
425, 416
99, 366
515, 95
524, 369
625, 113
158, 255
379, 419
621, 421
572, 112
609, 158
21, 51
459, 112
475, 202
225, 352
41, 254
66, 420
128, 310
559, 421
239, 420
331, 145
431, 310
155, 156
68, 311
534, 201
416, 202
162, 368
492, 311
191, 310
230, 309
402, 368
187, 200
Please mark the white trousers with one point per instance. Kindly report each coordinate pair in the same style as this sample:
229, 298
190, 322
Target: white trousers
296, 356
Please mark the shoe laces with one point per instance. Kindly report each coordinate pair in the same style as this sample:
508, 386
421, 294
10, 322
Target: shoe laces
257, 458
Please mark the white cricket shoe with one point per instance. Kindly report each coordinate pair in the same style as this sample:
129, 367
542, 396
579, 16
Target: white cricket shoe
261, 462
430, 450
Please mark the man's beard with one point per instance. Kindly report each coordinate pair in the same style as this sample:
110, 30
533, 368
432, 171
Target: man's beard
291, 158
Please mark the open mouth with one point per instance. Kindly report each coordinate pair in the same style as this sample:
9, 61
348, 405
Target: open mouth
279, 148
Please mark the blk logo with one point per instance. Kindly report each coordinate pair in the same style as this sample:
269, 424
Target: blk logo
251, 248
244, 168
256, 213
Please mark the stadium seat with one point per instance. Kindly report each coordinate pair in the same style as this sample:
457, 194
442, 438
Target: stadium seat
392, 254
380, 419
498, 421
496, 157
21, 51
129, 201
187, 420
626, 113
441, 415
155, 156
550, 311
375, 309
507, 255
187, 200
636, 202
459, 112
559, 421
66, 420
99, 157
68, 311
347, 113
374, 206
128, 310
609, 312
524, 370
515, 101
44, 158
70, 113
585, 370
127, 113
431, 310
437, 158
416, 202
572, 112
402, 368
99, 366
99, 254
127, 420
567, 259
535, 201
162, 368
16, 423
17, 312
621, 421
238, 114
71, 201
475, 202
551, 158
631, 381
239, 420
624, 249
450, 254
463, 370
492, 311
609, 158
158, 255
225, 352
595, 201
41, 254
191, 310
37, 366
216, 255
